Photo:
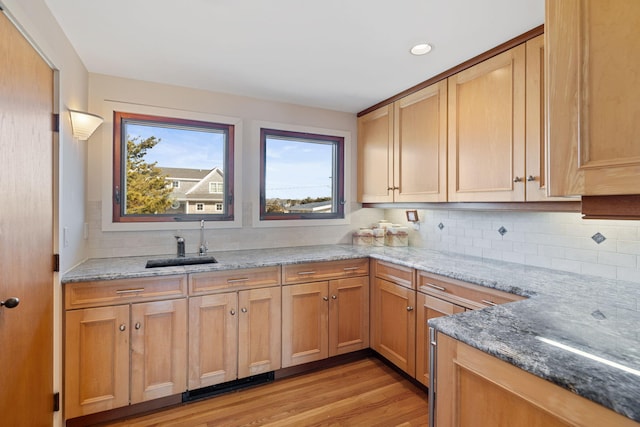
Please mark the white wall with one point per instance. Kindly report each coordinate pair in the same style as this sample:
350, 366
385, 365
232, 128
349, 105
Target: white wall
560, 241
109, 240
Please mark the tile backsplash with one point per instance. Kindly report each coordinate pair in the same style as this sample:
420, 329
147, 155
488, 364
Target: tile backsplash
561, 241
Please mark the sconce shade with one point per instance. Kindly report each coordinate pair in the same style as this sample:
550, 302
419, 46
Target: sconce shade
84, 124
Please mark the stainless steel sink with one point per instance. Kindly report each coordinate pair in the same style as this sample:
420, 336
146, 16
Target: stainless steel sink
174, 262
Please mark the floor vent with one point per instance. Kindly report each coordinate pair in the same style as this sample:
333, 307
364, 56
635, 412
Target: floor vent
214, 390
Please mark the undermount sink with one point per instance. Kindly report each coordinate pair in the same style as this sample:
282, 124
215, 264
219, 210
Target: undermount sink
175, 262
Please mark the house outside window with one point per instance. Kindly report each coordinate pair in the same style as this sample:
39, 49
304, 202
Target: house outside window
164, 169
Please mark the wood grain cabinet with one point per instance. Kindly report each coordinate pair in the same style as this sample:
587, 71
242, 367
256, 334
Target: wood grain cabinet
593, 74
442, 296
476, 389
393, 320
402, 149
234, 325
126, 344
324, 318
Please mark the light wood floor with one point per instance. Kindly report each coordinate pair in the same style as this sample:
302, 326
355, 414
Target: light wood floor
362, 393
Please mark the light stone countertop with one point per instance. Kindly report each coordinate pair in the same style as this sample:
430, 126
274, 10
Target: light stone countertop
598, 316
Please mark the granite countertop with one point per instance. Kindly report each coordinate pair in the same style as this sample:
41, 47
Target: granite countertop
565, 314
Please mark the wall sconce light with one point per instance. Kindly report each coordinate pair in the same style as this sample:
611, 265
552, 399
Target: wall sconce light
84, 124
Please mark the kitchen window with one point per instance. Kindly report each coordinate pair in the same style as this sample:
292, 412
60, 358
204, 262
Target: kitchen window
301, 176
165, 169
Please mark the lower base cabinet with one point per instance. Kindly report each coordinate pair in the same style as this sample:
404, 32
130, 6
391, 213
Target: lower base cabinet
122, 354
479, 390
323, 319
233, 335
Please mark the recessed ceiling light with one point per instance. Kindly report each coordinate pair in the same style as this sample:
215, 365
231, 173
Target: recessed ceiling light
421, 49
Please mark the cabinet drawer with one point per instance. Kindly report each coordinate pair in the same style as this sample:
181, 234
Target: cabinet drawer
215, 281
109, 292
462, 293
398, 274
326, 270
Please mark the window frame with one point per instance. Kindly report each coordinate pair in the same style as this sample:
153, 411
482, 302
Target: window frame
119, 118
338, 192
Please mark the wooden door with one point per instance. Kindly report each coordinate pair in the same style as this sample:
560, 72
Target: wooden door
487, 130
428, 308
96, 360
26, 229
305, 320
158, 349
213, 339
375, 156
259, 331
420, 145
348, 315
393, 324
593, 74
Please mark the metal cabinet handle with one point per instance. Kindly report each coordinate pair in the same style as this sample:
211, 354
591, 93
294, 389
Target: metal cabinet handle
531, 178
233, 312
10, 302
129, 291
488, 302
242, 279
350, 268
122, 327
409, 308
440, 288
305, 273
243, 309
325, 298
334, 297
137, 325
517, 179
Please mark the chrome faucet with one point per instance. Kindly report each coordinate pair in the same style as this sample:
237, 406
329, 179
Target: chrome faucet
203, 245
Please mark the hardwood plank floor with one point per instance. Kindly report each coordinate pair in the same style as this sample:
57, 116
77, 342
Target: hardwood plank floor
362, 393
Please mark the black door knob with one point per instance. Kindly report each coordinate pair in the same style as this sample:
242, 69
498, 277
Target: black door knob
10, 302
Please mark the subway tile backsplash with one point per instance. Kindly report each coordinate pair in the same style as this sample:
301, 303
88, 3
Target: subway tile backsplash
562, 241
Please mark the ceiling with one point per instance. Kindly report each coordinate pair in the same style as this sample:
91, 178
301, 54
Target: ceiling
343, 55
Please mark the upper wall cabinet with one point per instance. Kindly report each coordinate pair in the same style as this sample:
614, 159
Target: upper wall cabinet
487, 130
402, 149
593, 75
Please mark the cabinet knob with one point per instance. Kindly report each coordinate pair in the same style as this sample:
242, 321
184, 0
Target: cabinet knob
243, 309
10, 302
137, 325
517, 179
122, 327
409, 308
531, 178
334, 297
233, 312
325, 298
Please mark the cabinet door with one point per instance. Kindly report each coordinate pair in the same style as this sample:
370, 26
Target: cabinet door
420, 146
393, 324
259, 329
348, 315
375, 159
428, 308
213, 339
593, 75
158, 349
96, 360
487, 130
305, 323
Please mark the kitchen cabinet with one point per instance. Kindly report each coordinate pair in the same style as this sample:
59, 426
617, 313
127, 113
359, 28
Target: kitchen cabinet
440, 296
125, 342
393, 320
593, 73
323, 318
234, 325
476, 389
402, 149
487, 130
